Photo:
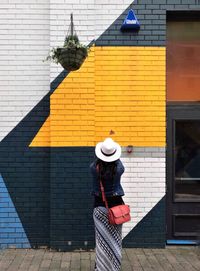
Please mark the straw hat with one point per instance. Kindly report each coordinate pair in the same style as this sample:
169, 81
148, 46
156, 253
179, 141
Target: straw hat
108, 150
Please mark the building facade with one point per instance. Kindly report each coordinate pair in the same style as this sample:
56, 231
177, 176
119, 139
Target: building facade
140, 86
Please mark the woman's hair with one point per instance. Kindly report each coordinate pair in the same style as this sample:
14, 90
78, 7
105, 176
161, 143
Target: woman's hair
106, 170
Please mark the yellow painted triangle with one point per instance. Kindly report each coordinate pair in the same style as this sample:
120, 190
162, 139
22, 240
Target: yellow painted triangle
42, 138
117, 88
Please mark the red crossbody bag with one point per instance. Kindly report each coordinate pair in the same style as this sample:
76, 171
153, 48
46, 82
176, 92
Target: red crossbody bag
118, 214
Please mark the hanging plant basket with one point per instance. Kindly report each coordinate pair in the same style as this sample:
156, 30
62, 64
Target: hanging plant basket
71, 59
72, 55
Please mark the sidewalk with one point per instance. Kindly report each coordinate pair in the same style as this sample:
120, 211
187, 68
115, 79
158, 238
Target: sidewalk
171, 258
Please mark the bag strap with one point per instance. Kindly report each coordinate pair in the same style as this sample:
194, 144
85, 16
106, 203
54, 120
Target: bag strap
102, 189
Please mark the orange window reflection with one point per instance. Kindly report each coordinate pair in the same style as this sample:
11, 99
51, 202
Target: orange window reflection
183, 61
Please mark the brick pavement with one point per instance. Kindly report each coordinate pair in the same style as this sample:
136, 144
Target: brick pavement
169, 259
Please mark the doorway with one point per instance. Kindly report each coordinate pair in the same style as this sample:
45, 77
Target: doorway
183, 127
183, 172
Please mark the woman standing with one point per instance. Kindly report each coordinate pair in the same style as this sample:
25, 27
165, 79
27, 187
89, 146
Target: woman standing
108, 168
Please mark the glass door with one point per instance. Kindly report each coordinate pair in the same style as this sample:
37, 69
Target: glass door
186, 160
183, 172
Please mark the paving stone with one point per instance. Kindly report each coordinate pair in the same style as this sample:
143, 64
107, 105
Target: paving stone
134, 259
37, 259
193, 258
172, 259
26, 263
126, 265
56, 261
85, 255
75, 262
134, 262
160, 256
19, 256
92, 261
85, 265
65, 262
7, 259
153, 260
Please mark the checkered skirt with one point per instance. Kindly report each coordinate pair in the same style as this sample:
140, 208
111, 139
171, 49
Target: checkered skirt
108, 242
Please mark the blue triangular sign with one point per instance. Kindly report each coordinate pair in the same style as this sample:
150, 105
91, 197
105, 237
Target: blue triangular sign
130, 22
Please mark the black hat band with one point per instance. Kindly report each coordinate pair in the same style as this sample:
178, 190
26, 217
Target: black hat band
108, 154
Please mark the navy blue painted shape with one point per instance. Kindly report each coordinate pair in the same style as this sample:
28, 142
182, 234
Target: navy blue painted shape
150, 231
71, 203
58, 80
152, 18
25, 172
54, 205
130, 22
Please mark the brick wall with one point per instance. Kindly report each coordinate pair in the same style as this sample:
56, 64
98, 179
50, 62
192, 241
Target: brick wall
118, 88
25, 191
47, 144
144, 186
24, 77
91, 18
24, 83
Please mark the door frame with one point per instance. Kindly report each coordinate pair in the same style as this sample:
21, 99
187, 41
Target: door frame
175, 111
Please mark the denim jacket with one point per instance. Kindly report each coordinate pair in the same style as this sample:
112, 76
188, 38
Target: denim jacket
111, 187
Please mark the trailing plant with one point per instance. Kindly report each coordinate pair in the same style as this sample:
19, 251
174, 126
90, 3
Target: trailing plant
71, 43
72, 54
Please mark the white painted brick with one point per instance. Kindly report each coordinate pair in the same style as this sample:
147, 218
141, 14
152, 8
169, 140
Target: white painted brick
144, 164
125, 160
24, 43
137, 169
143, 189
151, 159
158, 165
91, 19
